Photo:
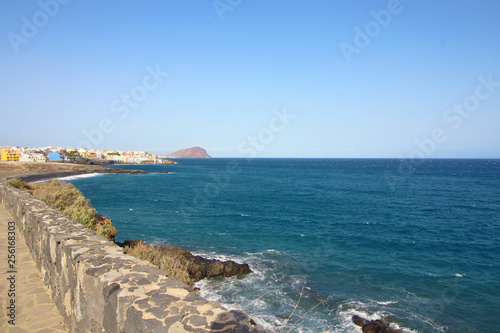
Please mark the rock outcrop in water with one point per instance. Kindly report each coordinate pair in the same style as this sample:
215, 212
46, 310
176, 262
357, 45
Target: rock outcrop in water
181, 264
373, 326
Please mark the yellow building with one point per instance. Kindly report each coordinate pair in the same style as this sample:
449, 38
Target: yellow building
9, 155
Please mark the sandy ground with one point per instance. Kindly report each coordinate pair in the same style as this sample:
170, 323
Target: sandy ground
18, 168
35, 310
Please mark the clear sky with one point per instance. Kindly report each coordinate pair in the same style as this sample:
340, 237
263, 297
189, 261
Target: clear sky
281, 78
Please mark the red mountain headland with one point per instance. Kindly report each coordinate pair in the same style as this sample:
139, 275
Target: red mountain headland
195, 152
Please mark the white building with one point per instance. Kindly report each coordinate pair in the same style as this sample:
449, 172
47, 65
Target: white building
32, 157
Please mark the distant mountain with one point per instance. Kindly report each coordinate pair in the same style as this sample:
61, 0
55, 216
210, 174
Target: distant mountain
195, 152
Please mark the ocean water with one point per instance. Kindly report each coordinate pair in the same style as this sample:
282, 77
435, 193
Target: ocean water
417, 244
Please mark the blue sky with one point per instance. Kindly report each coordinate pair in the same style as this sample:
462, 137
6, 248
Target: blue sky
257, 78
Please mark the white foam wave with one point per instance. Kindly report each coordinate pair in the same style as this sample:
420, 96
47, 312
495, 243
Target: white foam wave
387, 302
87, 175
254, 253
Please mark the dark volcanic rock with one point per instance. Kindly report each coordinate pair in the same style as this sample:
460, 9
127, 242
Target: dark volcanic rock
125, 171
373, 326
181, 264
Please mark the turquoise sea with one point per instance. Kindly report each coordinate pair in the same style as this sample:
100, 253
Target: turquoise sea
414, 242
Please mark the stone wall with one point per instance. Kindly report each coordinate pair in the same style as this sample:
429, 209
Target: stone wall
98, 288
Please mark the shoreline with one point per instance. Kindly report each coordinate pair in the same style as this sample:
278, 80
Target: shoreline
38, 177
35, 172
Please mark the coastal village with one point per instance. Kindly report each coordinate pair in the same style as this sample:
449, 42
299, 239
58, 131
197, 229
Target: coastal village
74, 155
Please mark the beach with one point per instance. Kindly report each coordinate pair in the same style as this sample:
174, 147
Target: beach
32, 171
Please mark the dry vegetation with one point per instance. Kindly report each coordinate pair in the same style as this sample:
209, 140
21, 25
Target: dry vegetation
69, 200
170, 264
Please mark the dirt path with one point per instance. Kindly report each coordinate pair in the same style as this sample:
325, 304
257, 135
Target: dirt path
34, 309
